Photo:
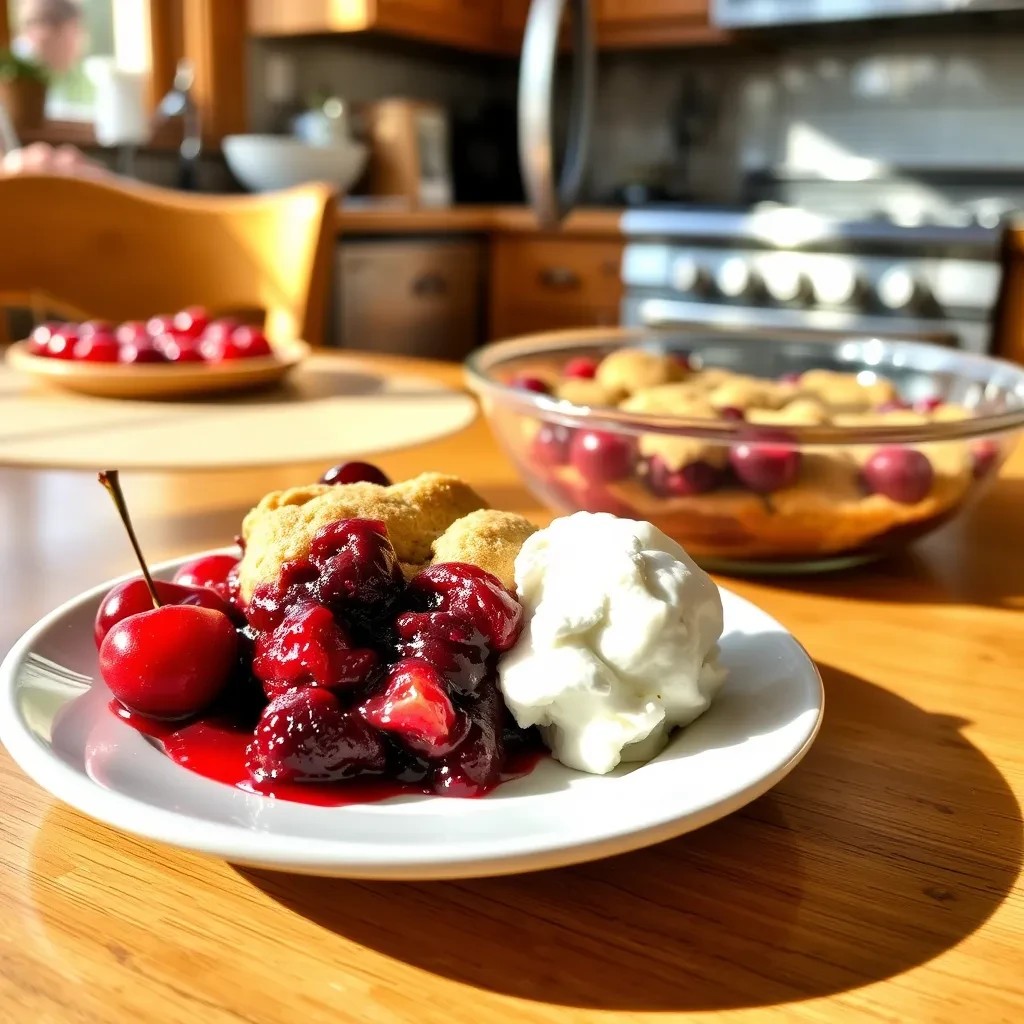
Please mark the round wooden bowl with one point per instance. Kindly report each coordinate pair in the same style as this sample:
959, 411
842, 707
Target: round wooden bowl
158, 380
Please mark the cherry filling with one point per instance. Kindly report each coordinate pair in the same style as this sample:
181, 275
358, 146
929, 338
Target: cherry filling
346, 672
310, 648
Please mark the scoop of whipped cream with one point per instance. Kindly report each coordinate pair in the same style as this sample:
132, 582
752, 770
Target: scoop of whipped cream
620, 643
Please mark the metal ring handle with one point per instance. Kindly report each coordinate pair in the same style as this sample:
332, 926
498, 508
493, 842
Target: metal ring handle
552, 202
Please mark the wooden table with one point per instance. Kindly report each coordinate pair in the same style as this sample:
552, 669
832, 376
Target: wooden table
878, 882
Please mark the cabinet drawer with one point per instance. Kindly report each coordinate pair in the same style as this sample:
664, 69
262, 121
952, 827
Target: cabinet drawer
547, 283
543, 270
411, 298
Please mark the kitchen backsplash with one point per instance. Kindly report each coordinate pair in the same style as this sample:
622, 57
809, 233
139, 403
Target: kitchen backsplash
831, 108
367, 69
692, 122
930, 101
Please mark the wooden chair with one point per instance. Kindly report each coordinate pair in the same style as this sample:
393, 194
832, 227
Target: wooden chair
117, 250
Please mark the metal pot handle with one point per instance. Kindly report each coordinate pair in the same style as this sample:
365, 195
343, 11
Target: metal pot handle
552, 202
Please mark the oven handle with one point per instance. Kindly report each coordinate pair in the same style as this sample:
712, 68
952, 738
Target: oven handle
665, 314
551, 201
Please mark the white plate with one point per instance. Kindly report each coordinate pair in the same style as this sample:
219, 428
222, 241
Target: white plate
762, 723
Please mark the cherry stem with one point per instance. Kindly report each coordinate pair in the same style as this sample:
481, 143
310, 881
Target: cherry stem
110, 478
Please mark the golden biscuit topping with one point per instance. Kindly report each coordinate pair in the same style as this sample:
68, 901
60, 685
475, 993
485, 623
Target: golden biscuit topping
420, 514
587, 392
633, 369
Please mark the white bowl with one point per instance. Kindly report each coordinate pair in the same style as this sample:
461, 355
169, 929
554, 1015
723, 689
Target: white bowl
264, 163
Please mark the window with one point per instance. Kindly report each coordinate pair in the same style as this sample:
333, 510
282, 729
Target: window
84, 41
79, 41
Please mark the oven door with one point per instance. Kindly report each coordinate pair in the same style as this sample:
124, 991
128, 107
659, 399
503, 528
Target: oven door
663, 312
764, 13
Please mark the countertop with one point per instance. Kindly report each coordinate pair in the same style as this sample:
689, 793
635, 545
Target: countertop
879, 882
388, 220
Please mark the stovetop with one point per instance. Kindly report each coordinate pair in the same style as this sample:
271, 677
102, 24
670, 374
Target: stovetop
776, 225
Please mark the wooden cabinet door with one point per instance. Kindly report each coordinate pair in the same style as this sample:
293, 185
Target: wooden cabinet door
418, 298
468, 23
542, 283
650, 10
471, 24
296, 17
630, 23
512, 16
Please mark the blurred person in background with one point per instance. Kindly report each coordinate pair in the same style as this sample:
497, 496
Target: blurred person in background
51, 32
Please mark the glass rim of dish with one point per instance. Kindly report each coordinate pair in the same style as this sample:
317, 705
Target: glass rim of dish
989, 372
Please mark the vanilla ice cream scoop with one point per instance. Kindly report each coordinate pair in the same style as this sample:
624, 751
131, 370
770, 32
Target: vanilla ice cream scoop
620, 644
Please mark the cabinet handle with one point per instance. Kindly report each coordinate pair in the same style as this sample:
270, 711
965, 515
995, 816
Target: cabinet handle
430, 283
559, 278
551, 201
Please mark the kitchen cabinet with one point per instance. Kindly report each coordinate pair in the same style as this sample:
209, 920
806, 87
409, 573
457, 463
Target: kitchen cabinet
511, 23
410, 296
541, 282
490, 25
467, 24
636, 23
627, 23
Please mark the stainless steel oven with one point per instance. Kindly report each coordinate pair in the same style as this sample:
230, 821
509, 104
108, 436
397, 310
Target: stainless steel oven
786, 269
764, 13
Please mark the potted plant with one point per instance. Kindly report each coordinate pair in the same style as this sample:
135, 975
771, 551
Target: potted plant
23, 90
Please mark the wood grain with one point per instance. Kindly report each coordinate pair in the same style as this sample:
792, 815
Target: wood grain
164, 250
878, 883
403, 220
329, 408
543, 282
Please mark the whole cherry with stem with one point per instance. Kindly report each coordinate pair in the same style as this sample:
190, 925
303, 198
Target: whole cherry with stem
172, 660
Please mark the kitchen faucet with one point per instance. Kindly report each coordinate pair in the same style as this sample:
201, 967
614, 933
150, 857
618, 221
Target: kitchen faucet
179, 103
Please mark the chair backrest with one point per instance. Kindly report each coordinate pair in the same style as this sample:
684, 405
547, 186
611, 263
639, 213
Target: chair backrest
117, 250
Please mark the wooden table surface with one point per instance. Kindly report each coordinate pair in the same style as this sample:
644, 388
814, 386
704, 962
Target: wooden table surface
879, 882
594, 221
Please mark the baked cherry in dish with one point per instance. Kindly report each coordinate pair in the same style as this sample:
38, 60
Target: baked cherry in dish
355, 473
768, 462
601, 457
697, 477
344, 681
902, 474
580, 368
188, 336
527, 382
551, 445
99, 347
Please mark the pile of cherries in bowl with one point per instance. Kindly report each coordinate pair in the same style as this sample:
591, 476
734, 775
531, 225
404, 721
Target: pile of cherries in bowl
188, 336
754, 487
339, 669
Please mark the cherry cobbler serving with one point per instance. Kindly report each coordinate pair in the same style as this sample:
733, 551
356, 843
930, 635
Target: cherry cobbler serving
379, 638
755, 492
356, 638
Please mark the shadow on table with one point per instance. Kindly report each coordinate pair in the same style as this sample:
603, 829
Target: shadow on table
894, 840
